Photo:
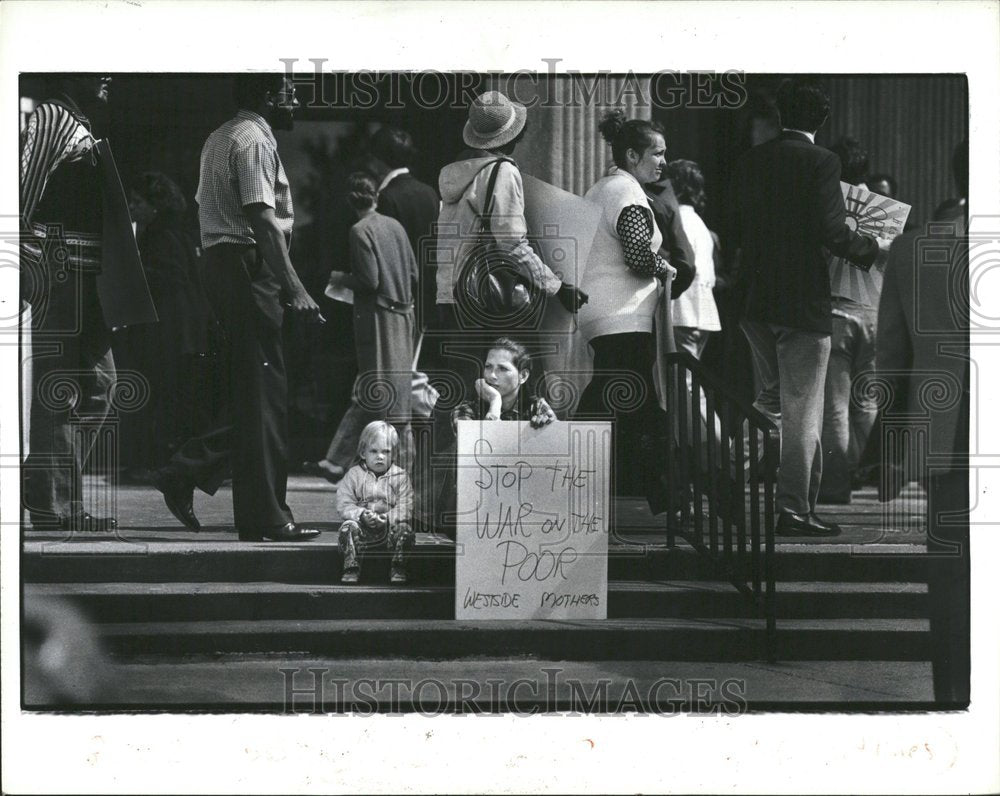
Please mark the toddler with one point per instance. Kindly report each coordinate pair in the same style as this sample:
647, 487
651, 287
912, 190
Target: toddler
375, 501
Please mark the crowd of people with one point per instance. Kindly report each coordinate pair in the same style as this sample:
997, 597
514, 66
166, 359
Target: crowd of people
654, 269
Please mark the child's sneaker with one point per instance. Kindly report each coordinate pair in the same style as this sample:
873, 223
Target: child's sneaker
350, 575
397, 574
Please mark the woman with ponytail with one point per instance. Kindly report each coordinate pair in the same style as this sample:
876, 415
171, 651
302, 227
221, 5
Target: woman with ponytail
622, 281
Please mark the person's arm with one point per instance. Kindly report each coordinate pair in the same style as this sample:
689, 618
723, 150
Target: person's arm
831, 219
256, 170
541, 413
347, 503
403, 510
635, 231
364, 266
511, 231
464, 411
893, 348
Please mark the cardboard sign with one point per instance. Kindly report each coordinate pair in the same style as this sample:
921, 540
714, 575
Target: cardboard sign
533, 512
121, 285
870, 214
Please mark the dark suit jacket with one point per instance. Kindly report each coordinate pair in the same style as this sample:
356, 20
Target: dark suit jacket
789, 207
413, 204
675, 249
923, 335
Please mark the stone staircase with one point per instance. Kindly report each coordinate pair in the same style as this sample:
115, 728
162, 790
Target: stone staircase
160, 594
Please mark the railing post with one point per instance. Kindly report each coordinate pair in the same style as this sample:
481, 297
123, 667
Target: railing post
771, 456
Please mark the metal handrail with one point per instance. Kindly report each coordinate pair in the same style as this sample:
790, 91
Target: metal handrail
707, 463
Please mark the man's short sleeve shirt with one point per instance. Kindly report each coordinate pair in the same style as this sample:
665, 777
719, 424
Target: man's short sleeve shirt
240, 166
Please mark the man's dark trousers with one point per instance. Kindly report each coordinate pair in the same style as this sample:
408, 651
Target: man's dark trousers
251, 437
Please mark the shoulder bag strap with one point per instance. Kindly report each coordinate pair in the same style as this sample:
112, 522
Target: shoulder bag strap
486, 219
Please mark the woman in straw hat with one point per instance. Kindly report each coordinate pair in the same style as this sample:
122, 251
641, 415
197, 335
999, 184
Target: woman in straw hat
495, 126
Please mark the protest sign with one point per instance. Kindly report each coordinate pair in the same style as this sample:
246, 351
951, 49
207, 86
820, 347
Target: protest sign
533, 513
870, 214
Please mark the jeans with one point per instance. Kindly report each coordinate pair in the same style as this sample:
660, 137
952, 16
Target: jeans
790, 371
849, 413
72, 376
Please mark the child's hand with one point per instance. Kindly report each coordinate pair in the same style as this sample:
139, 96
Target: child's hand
369, 519
543, 414
381, 522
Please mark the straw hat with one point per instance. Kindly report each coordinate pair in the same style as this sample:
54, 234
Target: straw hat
493, 121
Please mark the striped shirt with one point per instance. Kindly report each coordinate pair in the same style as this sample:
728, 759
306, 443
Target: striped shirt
57, 134
53, 135
239, 167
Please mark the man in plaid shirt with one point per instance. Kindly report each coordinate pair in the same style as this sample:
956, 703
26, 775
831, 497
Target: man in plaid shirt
245, 214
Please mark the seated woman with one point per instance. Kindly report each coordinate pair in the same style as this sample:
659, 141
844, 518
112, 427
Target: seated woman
623, 282
500, 397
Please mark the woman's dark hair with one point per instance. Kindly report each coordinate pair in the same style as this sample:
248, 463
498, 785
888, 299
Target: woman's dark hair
853, 160
361, 190
163, 194
688, 183
393, 146
802, 104
250, 89
625, 134
888, 179
518, 353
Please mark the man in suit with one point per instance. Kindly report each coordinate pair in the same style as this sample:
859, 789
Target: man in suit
412, 203
245, 214
922, 344
789, 208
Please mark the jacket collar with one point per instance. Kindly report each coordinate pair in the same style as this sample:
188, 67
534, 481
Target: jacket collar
789, 133
391, 176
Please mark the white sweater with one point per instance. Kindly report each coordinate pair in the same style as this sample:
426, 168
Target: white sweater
695, 307
620, 301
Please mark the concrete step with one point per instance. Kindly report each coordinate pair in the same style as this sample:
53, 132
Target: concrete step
262, 682
184, 601
612, 639
164, 556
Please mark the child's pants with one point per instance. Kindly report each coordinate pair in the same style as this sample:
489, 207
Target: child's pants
355, 538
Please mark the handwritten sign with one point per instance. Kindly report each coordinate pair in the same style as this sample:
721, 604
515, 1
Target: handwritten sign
533, 511
870, 214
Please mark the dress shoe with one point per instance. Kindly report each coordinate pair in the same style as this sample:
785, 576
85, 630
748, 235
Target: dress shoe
324, 469
290, 532
791, 524
179, 498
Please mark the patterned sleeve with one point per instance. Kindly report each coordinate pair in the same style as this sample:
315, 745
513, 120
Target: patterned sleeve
464, 411
44, 144
256, 169
635, 230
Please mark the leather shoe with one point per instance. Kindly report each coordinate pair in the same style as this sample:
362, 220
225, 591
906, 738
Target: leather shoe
291, 532
791, 524
179, 499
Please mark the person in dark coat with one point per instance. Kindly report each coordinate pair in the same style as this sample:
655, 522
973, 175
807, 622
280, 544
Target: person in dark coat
922, 349
412, 203
165, 352
676, 248
789, 207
